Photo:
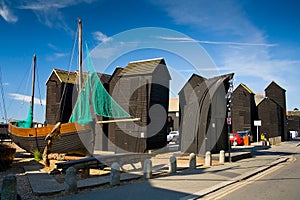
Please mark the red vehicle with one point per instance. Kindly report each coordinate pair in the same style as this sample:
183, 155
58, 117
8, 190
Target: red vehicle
236, 139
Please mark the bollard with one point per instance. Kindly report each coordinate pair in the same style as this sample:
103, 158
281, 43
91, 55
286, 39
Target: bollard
70, 181
9, 187
192, 161
208, 159
115, 174
172, 165
222, 157
148, 169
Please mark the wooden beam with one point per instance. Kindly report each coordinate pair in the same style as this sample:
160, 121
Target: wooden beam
119, 120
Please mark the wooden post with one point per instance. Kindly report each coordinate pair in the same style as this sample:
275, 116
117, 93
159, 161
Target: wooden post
80, 52
46, 153
54, 134
33, 86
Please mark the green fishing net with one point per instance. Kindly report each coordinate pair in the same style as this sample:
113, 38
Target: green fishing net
93, 93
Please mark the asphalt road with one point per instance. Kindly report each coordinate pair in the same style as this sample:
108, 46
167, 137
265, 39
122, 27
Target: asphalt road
280, 182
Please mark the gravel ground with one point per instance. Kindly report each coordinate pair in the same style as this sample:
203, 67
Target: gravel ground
21, 159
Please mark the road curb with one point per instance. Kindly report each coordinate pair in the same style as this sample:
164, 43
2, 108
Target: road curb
260, 169
234, 180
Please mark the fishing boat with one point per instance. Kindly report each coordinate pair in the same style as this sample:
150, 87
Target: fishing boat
77, 136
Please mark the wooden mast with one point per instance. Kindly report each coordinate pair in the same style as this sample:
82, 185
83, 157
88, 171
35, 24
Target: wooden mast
80, 52
33, 84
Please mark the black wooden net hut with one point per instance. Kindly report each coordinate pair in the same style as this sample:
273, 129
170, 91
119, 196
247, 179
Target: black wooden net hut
142, 89
203, 108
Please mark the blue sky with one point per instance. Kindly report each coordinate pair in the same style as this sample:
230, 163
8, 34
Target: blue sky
257, 40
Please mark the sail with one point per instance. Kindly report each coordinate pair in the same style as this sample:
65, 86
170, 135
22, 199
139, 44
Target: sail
27, 123
103, 104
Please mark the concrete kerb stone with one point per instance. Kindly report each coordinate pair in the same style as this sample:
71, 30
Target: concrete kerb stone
115, 174
9, 187
208, 159
222, 157
172, 165
207, 191
70, 181
224, 184
147, 169
261, 169
192, 161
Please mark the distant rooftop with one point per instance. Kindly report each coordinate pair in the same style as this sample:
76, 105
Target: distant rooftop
259, 97
293, 113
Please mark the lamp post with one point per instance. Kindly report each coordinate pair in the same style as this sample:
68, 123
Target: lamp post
228, 114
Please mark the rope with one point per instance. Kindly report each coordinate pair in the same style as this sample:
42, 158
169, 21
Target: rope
62, 99
19, 88
3, 98
39, 90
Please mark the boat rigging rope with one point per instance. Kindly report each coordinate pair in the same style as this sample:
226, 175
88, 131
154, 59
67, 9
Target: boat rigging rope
3, 98
62, 99
38, 83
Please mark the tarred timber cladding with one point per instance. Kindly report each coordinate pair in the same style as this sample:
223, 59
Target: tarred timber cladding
54, 104
294, 120
243, 109
277, 94
138, 88
294, 123
270, 114
61, 95
203, 114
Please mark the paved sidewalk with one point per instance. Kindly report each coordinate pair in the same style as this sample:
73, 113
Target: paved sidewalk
191, 184
185, 184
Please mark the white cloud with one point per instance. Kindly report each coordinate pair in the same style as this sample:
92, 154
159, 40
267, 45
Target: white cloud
49, 12
42, 5
6, 13
60, 55
100, 37
187, 39
25, 98
245, 50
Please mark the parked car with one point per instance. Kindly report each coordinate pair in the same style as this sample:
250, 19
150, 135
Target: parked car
173, 136
238, 138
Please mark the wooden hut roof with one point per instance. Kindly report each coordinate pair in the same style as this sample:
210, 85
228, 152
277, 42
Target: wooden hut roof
104, 78
70, 77
117, 71
193, 81
267, 99
246, 88
64, 76
273, 83
143, 67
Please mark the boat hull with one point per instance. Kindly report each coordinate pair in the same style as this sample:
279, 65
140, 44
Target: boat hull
74, 138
